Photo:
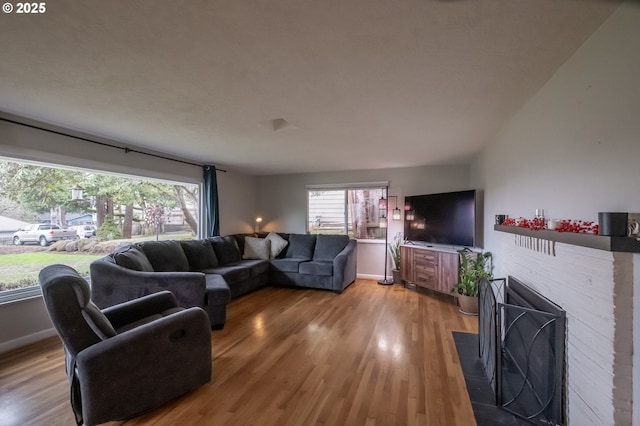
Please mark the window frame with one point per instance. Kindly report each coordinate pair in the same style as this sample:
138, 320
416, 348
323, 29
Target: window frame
383, 185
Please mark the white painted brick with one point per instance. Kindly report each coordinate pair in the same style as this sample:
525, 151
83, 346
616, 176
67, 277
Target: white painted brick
581, 281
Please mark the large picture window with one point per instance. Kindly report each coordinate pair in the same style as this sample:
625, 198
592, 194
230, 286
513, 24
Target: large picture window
51, 214
352, 211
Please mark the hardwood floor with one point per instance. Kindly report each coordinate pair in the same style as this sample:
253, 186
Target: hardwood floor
374, 355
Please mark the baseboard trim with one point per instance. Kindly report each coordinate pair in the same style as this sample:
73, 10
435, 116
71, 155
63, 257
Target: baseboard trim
370, 277
26, 340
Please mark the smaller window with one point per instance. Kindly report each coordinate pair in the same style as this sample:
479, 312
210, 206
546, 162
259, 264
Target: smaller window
349, 211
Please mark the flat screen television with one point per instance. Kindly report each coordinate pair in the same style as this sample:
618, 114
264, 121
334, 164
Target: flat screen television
447, 218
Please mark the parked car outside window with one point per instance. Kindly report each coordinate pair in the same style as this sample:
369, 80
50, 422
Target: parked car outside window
85, 231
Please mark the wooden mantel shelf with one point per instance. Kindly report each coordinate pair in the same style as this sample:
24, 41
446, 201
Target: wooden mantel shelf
622, 244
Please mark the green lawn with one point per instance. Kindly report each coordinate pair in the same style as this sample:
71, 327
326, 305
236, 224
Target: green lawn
21, 270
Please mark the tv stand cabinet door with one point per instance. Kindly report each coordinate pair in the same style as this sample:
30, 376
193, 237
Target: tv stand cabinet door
419, 267
407, 272
447, 271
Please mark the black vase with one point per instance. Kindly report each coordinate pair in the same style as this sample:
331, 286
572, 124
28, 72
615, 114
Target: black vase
612, 224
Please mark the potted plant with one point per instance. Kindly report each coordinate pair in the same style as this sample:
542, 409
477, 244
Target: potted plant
473, 267
394, 251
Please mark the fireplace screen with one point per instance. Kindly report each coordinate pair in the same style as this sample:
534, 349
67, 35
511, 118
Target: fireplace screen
522, 350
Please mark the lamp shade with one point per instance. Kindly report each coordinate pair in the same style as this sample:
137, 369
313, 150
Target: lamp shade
383, 222
410, 215
382, 204
396, 214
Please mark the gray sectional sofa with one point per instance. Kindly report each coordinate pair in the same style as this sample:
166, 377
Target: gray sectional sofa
209, 272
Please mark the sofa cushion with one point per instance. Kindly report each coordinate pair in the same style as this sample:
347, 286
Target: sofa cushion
319, 267
328, 246
287, 264
226, 249
256, 267
132, 258
231, 273
256, 248
301, 246
200, 254
277, 244
165, 256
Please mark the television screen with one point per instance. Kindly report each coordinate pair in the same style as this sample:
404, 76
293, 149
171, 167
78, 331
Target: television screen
447, 218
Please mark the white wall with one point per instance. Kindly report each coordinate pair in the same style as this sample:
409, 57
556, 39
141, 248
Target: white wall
26, 321
283, 200
238, 198
574, 148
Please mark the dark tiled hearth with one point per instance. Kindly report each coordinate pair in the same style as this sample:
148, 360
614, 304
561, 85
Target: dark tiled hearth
480, 393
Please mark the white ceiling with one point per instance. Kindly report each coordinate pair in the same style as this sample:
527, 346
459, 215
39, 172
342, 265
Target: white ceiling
362, 84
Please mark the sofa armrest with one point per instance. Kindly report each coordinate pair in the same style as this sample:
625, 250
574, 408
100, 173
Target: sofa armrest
345, 266
112, 284
134, 310
145, 367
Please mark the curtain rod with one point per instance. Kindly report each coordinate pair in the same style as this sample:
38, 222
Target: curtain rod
125, 149
355, 185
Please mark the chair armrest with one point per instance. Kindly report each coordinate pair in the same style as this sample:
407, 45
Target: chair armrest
145, 306
112, 284
145, 367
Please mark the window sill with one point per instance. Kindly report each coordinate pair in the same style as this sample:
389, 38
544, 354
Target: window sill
363, 241
19, 294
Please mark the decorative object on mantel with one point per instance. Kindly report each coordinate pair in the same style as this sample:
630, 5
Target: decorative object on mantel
536, 244
613, 224
473, 267
563, 225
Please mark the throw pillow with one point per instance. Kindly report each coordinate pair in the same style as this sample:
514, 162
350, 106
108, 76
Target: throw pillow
277, 244
256, 248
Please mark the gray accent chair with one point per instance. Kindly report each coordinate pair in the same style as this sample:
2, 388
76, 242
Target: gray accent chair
127, 359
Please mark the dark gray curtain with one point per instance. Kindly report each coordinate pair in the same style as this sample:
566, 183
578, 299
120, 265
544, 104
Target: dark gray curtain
210, 197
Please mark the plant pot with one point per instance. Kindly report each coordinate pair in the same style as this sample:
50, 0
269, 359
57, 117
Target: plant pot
468, 304
396, 276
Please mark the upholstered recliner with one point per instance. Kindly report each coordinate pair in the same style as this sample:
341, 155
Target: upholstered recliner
129, 358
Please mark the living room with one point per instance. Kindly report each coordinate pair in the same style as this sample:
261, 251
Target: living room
571, 148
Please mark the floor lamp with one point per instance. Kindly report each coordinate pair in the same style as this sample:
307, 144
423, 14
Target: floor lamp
384, 206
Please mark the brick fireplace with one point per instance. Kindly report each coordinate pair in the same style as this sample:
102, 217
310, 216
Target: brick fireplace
595, 288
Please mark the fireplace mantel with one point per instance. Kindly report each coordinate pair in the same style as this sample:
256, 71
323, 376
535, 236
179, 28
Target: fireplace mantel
600, 242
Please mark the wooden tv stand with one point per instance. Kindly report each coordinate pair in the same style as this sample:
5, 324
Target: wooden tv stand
432, 268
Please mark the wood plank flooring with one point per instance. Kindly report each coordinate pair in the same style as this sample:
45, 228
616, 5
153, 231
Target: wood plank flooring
374, 355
